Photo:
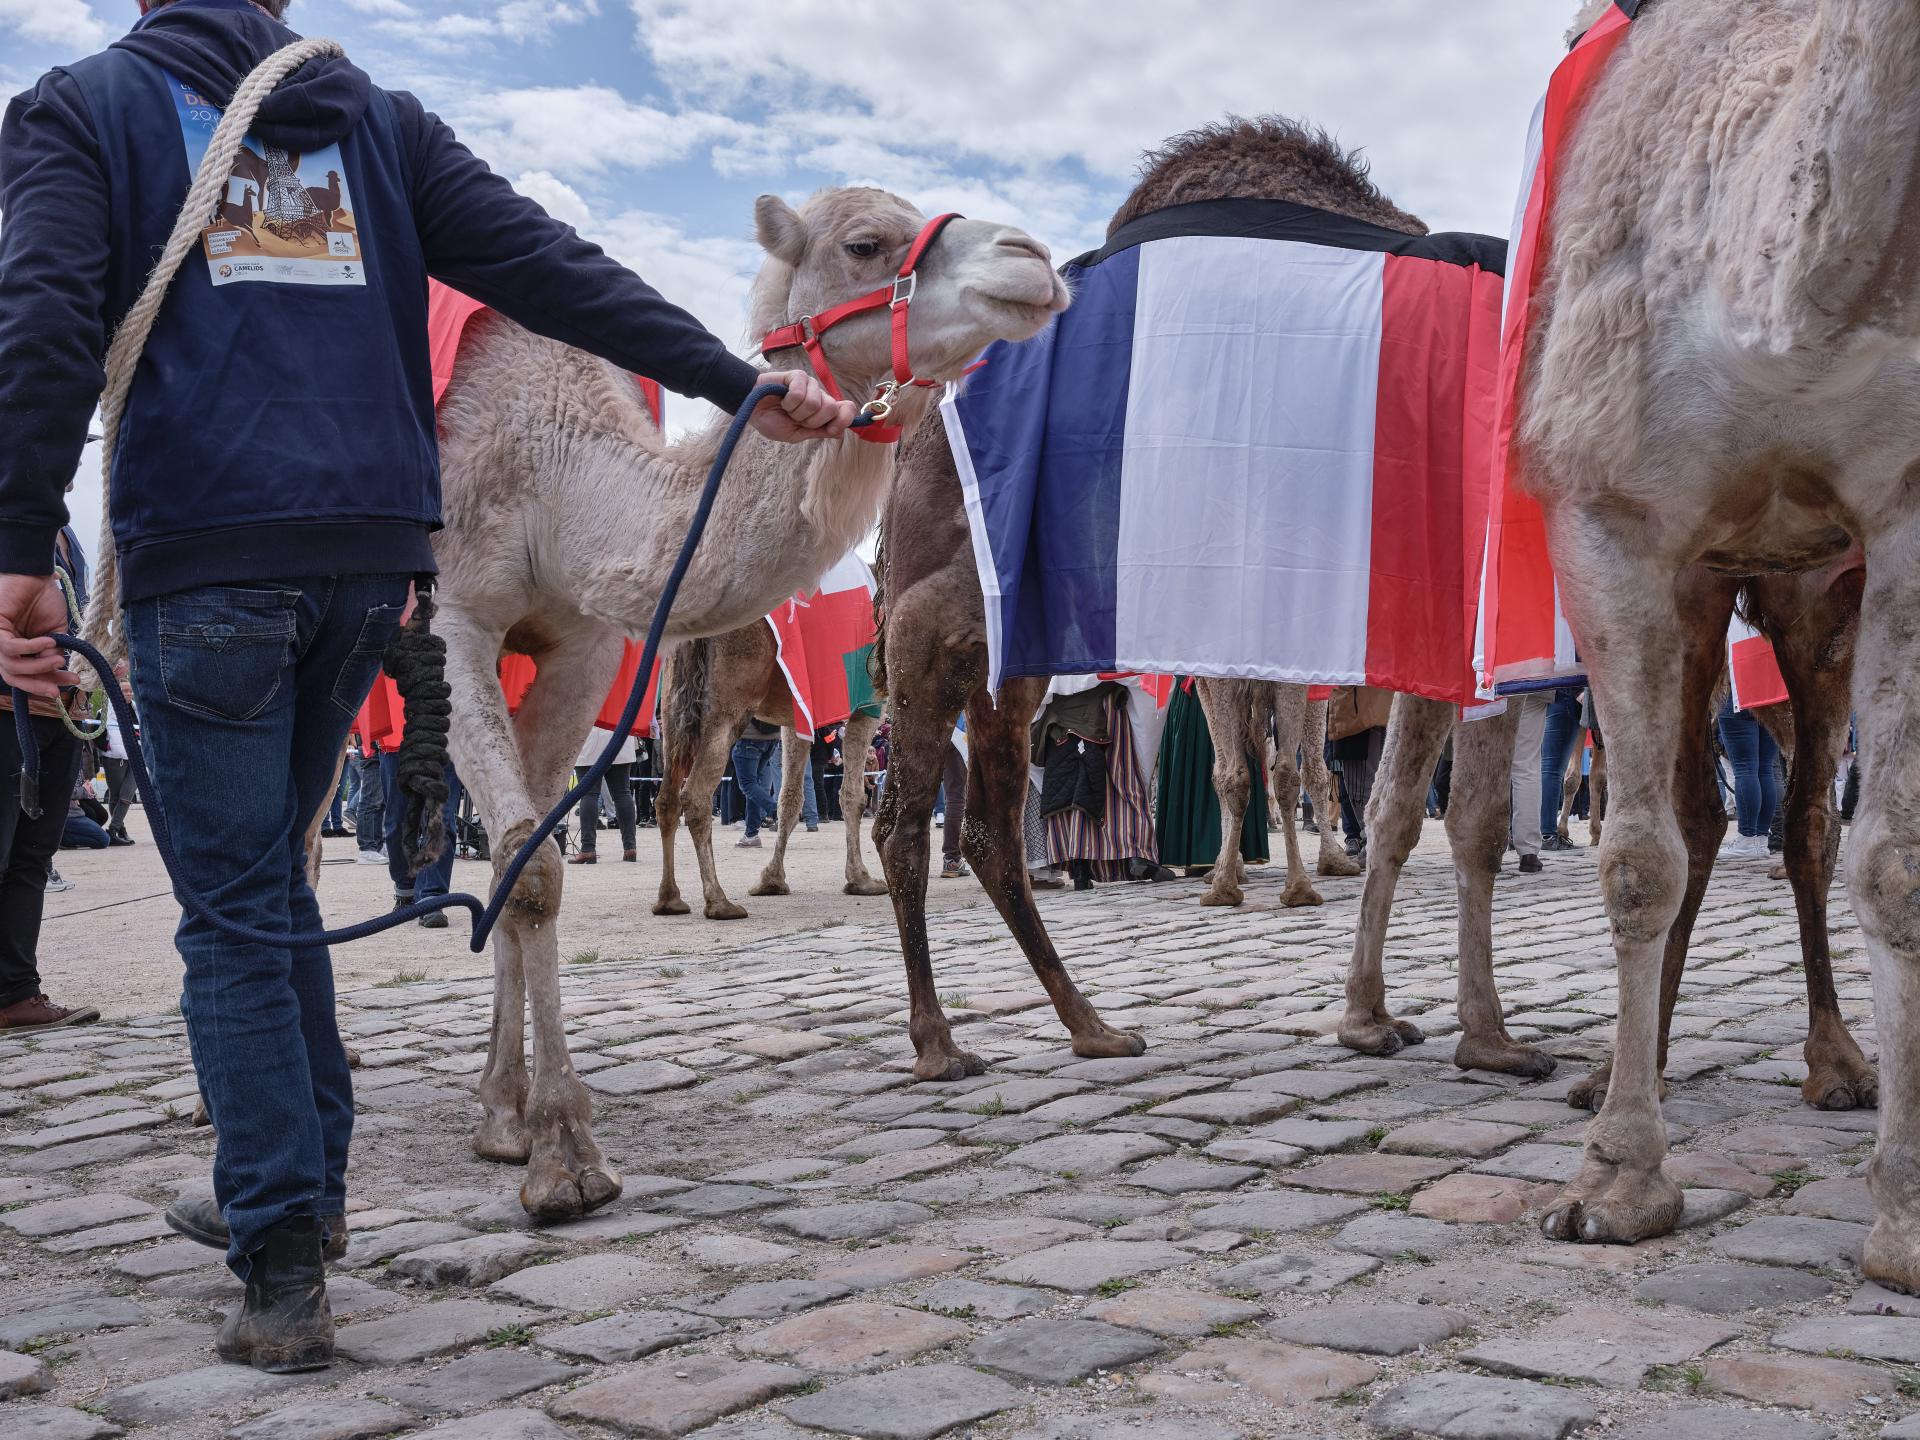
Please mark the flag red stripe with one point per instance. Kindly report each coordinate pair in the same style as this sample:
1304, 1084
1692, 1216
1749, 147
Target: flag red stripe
1430, 459
1519, 622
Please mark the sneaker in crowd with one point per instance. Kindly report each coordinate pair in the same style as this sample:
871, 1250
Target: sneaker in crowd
370, 857
55, 883
433, 920
1530, 865
954, 870
1554, 840
747, 842
814, 828
117, 835
37, 1012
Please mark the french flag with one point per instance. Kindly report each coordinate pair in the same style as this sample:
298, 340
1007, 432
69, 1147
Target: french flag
1255, 447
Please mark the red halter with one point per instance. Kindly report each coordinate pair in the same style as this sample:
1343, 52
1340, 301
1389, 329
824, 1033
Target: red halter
897, 297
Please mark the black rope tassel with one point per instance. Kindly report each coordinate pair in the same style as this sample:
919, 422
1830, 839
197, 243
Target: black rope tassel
417, 661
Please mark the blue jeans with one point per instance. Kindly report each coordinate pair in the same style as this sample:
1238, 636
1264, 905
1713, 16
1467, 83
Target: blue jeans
809, 795
246, 694
1563, 725
437, 878
1752, 753
370, 805
753, 771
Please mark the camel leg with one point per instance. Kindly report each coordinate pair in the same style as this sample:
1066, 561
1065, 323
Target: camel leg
709, 765
796, 750
1838, 1075
313, 843
994, 843
1416, 733
1289, 704
489, 765
927, 682
1225, 703
853, 802
1621, 599
1477, 827
1570, 788
1334, 859
567, 1173
669, 802
1696, 799
1883, 881
1596, 794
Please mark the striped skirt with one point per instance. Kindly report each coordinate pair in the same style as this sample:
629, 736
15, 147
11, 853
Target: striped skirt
1127, 831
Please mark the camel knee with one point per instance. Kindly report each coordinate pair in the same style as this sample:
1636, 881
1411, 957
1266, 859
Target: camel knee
536, 895
1883, 879
1643, 873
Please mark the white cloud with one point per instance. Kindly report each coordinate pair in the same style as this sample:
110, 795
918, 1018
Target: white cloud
582, 130
1441, 105
517, 21
67, 23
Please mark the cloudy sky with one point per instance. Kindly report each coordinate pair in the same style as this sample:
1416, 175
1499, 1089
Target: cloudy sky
652, 124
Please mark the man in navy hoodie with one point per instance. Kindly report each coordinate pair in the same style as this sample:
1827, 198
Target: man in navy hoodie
275, 483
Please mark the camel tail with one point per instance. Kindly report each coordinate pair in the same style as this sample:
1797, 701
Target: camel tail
689, 683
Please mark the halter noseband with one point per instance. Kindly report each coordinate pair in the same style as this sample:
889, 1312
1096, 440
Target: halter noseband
896, 297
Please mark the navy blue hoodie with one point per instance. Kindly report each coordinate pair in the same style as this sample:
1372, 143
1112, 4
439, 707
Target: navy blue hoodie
281, 418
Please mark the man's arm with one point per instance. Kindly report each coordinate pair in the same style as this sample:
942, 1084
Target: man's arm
486, 240
53, 270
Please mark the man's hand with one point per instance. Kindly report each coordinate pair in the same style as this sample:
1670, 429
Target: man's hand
805, 412
31, 609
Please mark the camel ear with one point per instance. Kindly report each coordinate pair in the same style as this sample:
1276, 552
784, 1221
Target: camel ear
783, 234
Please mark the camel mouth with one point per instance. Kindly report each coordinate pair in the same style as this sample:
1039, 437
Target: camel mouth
1030, 313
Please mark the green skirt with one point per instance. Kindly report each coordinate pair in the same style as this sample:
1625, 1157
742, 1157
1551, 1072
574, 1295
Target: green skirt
1187, 822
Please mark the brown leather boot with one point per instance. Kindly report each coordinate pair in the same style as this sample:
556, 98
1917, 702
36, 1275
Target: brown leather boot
37, 1012
201, 1221
285, 1324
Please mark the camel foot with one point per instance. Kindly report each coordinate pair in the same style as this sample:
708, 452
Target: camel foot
1103, 1042
556, 1191
865, 885
1841, 1083
1503, 1054
948, 1064
671, 905
502, 1136
1334, 863
1591, 1093
770, 887
1891, 1256
1622, 1210
1294, 896
1381, 1037
1223, 895
725, 910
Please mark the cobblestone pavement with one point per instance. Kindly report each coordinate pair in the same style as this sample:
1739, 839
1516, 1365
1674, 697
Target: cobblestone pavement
1247, 1231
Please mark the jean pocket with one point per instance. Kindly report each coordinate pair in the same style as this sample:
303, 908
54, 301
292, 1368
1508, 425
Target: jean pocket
225, 652
363, 662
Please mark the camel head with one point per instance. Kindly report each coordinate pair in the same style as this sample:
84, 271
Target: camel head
978, 282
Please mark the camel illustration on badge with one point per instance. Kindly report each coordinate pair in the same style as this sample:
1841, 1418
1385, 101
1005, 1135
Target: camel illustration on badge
284, 216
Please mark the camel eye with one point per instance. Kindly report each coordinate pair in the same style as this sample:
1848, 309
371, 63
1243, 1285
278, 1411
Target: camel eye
863, 249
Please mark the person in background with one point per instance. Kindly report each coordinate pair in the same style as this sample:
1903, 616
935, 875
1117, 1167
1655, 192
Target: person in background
370, 809
1561, 734
1523, 778
85, 828
27, 842
1356, 739
1754, 756
121, 789
755, 755
809, 794
619, 779
436, 877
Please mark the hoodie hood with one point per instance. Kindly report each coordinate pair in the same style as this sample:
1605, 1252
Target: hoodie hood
211, 45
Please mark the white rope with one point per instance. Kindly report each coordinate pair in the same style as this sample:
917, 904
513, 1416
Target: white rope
104, 628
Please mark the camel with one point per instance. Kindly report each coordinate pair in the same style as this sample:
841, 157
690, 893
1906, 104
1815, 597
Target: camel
712, 687
1238, 715
932, 656
564, 509
1596, 793
1809, 620
1722, 375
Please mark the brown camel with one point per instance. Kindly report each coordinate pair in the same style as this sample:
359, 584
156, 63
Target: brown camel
711, 688
933, 642
1596, 792
1239, 714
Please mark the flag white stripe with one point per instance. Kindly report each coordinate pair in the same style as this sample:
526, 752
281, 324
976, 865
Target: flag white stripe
1246, 505
977, 528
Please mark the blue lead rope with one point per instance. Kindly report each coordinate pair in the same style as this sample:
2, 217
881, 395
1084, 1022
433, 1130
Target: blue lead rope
484, 916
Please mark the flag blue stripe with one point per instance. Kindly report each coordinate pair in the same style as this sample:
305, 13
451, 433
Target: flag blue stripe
1056, 404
